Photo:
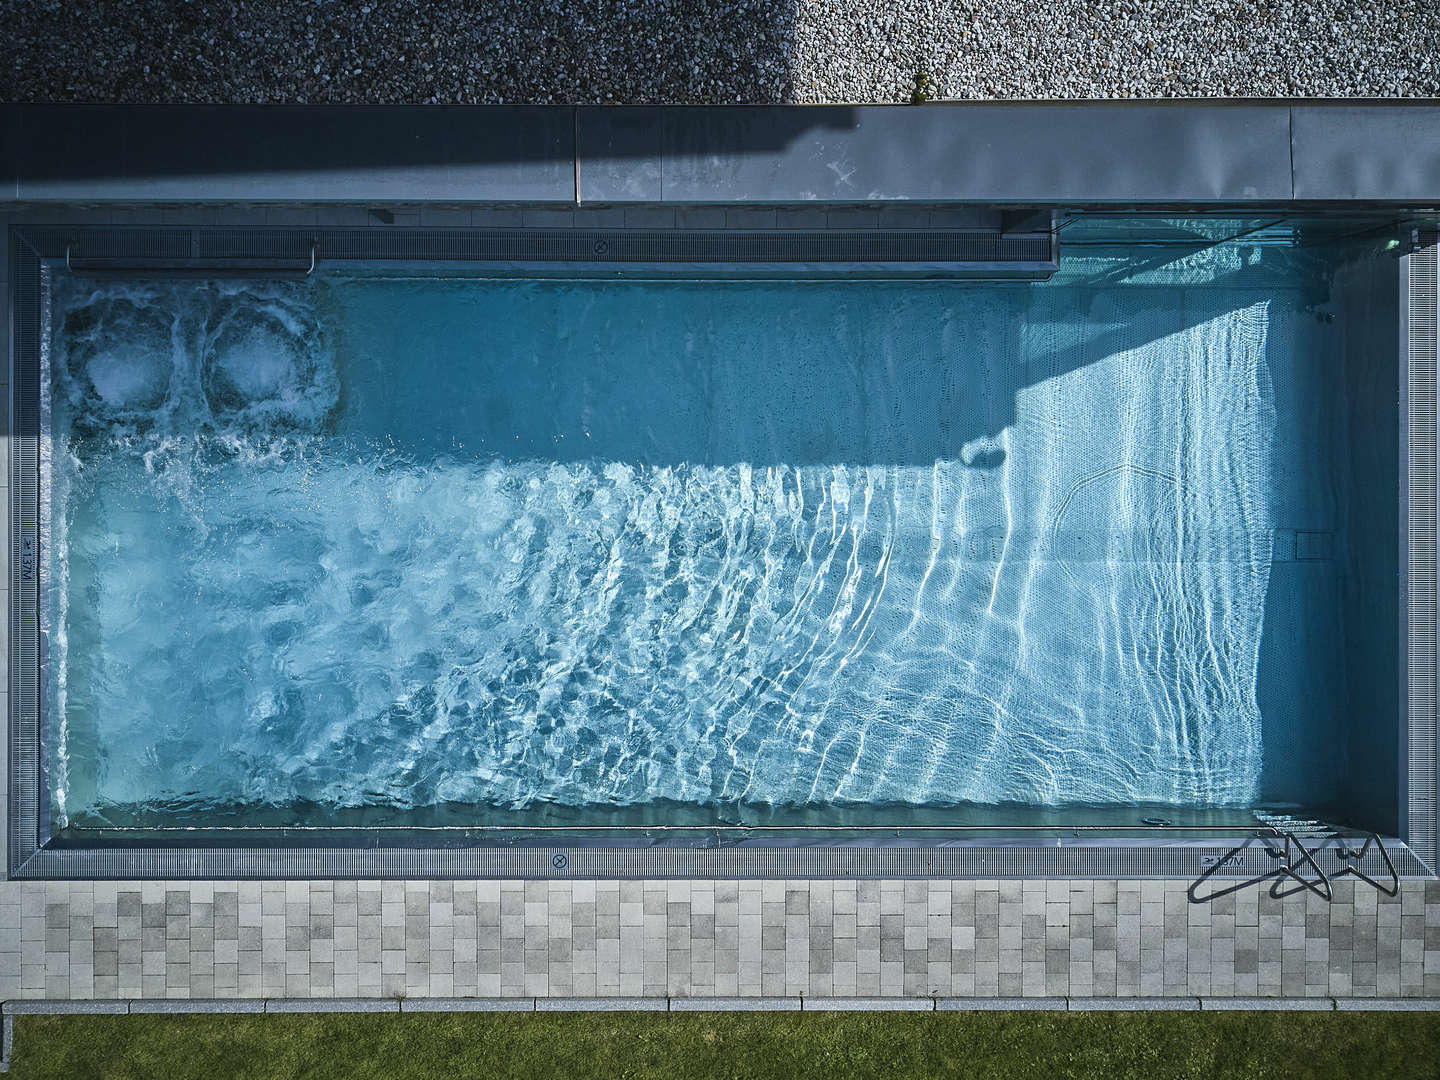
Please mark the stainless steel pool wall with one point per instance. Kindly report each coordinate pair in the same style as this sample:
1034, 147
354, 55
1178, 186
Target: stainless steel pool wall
1367, 295
1418, 327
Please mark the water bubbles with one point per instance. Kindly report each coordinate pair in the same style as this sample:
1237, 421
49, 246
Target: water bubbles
252, 365
119, 362
239, 366
266, 369
129, 379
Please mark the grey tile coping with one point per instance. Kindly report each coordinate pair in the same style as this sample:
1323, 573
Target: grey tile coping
1261, 1004
735, 1004
878, 1004
336, 1005
508, 1004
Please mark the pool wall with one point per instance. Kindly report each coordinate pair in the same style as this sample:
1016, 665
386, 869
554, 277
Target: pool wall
740, 169
1369, 302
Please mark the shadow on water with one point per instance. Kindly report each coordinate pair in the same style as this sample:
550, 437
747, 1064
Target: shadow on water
733, 372
684, 373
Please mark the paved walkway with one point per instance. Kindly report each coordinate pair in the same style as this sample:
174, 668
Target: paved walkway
658, 939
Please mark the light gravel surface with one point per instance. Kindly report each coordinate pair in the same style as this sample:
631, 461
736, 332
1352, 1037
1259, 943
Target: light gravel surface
409, 51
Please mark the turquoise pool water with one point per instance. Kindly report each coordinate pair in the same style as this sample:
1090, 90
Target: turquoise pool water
479, 546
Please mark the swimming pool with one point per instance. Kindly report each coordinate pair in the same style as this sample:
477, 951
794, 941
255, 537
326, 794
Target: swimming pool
413, 550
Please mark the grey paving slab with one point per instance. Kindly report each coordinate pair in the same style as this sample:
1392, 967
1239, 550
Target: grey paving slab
296, 153
850, 940
1367, 151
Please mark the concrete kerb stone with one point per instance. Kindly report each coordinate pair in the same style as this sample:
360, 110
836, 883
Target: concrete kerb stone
867, 1004
1386, 1005
1013, 1004
616, 1004
332, 1005
180, 1006
1135, 1004
7, 1041
1259, 1004
52, 1007
735, 1004
420, 1005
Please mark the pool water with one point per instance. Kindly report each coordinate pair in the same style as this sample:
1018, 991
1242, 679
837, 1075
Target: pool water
479, 546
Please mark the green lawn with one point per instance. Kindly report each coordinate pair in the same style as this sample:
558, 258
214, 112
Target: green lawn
724, 1045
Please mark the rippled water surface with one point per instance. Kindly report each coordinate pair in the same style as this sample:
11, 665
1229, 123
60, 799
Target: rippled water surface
510, 544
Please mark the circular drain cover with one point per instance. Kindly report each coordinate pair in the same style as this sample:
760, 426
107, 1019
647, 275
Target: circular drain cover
559, 860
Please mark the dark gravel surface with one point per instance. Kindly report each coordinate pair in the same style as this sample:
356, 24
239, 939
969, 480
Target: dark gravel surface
405, 51
395, 51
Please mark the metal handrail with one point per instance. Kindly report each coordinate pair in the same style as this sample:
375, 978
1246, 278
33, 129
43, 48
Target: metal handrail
1346, 852
1321, 885
191, 267
1279, 873
1327, 894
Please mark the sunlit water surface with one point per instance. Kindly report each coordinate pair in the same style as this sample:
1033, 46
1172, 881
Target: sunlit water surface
509, 544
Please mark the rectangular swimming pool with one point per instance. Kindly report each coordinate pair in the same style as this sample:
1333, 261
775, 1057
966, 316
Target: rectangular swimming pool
396, 548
